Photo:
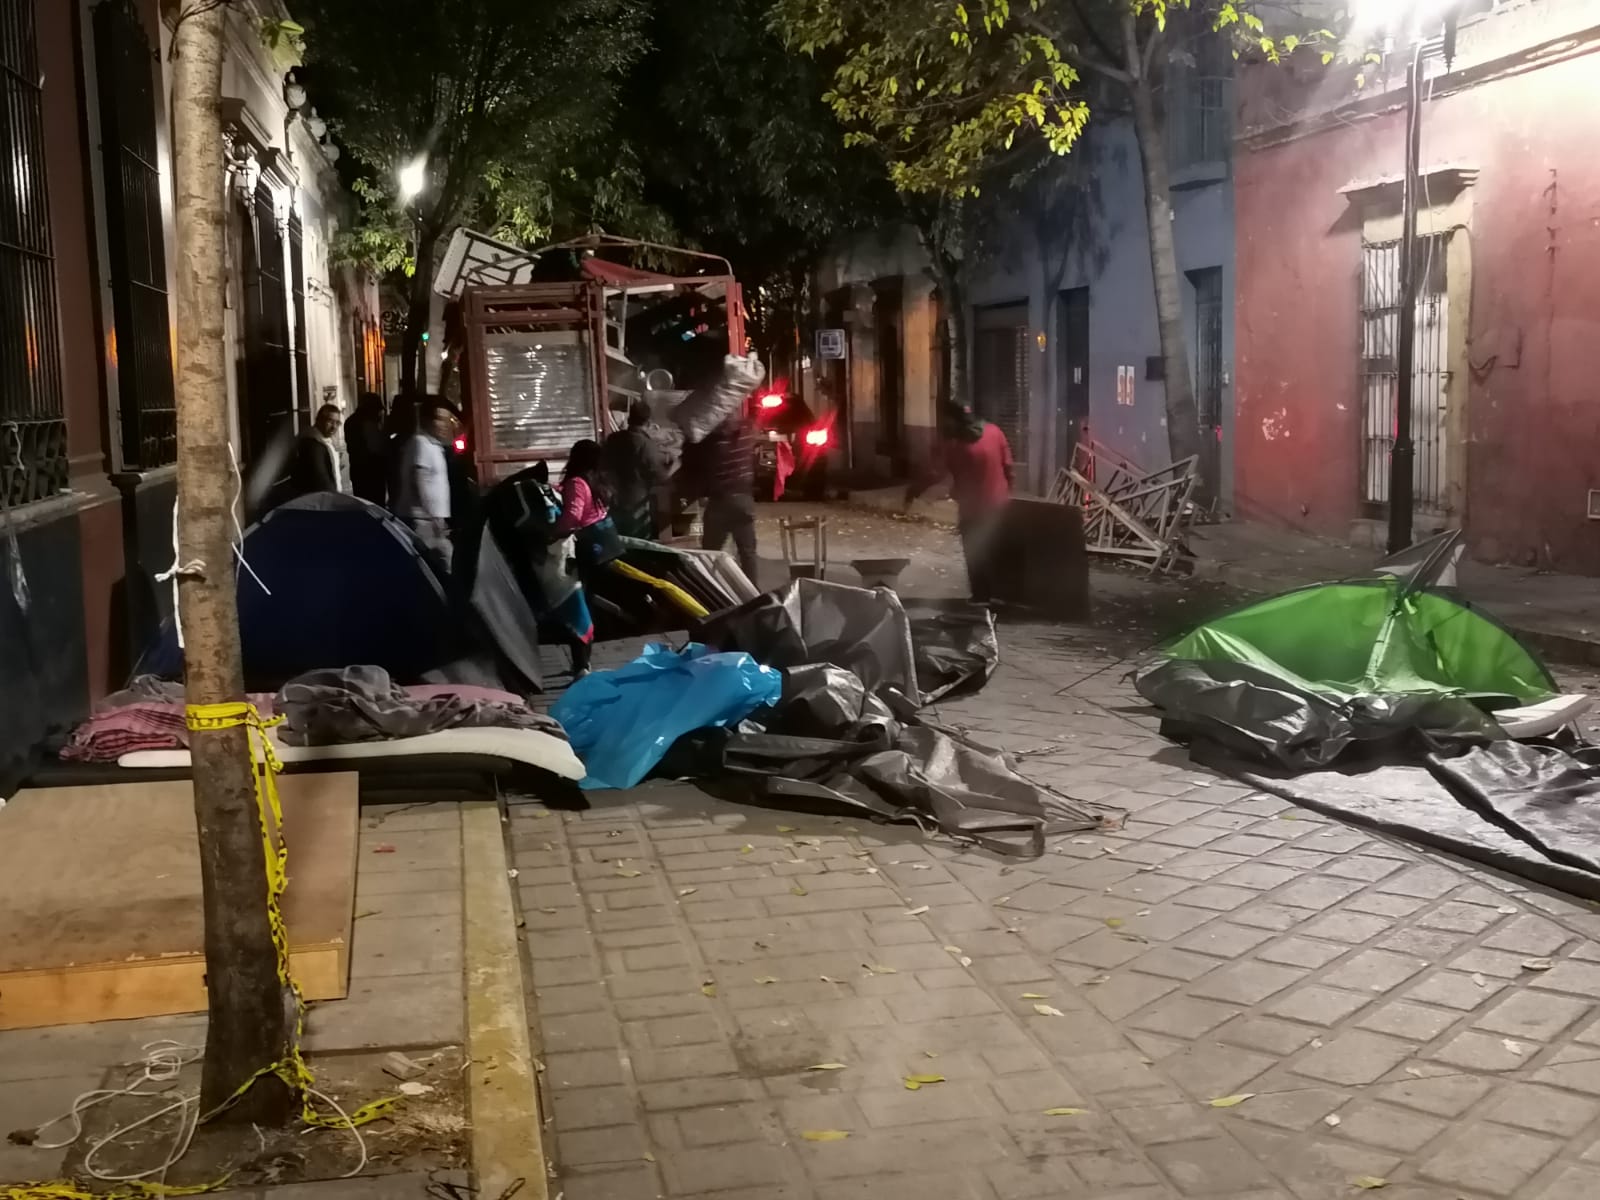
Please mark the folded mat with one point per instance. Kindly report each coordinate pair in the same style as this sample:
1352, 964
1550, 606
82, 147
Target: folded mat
528, 746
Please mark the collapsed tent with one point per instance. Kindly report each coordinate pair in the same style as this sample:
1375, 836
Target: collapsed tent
919, 654
844, 730
330, 580
1389, 701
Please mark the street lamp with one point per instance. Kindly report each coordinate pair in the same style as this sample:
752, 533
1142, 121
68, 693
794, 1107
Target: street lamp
1411, 17
413, 178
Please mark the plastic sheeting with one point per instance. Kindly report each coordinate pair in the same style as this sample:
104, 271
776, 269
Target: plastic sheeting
831, 742
865, 631
708, 408
1529, 810
621, 722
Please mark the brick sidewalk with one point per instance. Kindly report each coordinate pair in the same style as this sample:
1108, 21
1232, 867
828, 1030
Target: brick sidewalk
1371, 996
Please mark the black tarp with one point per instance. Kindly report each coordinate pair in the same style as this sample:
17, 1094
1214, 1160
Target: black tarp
830, 742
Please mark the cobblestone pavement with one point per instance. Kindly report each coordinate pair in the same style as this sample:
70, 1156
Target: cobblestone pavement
693, 960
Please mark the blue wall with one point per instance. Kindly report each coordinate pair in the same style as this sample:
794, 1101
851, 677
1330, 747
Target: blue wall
1122, 322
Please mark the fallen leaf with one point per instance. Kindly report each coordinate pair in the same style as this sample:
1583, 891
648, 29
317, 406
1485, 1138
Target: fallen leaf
1149, 1062
767, 979
880, 969
918, 911
797, 890
1003, 900
917, 1082
954, 950
1370, 1183
826, 979
785, 828
1114, 922
1143, 912
869, 870
1415, 1071
1066, 1112
1479, 980
687, 891
922, 866
412, 1088
1035, 996
929, 1054
1515, 1047
826, 1067
384, 849
1287, 817
629, 872
792, 861
1230, 1101
809, 841
824, 1135
648, 1157
709, 988
1046, 1010
747, 848
1538, 964
1333, 1120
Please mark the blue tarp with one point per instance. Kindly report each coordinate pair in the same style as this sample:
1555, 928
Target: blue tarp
622, 722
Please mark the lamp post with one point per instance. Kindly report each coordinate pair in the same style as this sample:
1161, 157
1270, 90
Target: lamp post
1402, 460
413, 179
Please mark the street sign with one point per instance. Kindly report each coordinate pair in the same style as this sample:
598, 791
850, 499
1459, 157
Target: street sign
830, 343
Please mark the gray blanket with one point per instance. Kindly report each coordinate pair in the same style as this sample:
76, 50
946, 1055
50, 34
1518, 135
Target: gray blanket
362, 704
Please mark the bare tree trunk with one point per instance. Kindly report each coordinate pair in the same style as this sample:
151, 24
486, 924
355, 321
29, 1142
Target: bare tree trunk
413, 351
1183, 418
249, 1027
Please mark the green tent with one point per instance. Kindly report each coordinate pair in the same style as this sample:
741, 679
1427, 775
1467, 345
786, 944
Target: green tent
1400, 630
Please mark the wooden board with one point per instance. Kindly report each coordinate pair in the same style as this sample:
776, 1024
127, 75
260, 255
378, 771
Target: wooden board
100, 915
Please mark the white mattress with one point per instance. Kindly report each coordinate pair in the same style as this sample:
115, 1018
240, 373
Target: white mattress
528, 746
1544, 718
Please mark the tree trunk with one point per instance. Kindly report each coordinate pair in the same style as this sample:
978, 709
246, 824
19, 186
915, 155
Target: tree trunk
249, 1026
413, 350
1183, 418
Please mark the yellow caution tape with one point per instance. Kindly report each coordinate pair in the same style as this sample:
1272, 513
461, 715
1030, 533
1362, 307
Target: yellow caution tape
265, 765
676, 594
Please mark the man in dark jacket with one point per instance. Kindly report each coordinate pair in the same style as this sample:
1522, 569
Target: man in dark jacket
315, 467
637, 465
368, 444
727, 458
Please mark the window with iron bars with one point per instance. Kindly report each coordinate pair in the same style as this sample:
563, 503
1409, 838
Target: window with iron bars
33, 433
1198, 101
141, 351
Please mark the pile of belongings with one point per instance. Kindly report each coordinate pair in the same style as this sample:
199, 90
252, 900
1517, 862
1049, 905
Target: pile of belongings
1389, 701
342, 719
810, 696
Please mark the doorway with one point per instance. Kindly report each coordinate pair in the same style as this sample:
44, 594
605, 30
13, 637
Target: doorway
1072, 361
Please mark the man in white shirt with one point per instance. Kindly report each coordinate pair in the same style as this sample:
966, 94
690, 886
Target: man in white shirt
422, 500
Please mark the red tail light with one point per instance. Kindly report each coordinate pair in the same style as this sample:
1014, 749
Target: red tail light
772, 400
817, 437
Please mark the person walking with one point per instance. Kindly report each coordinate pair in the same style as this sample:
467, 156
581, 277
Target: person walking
368, 444
636, 465
726, 457
977, 459
586, 519
422, 485
316, 466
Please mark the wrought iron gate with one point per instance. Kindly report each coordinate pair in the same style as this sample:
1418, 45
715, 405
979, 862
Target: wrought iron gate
1000, 372
1380, 331
33, 434
302, 371
125, 65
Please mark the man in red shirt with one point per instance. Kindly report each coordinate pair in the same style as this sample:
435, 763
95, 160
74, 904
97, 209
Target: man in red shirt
977, 459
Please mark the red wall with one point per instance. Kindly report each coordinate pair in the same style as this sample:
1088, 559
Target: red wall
1534, 391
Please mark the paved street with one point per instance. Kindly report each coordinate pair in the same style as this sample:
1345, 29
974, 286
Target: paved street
695, 960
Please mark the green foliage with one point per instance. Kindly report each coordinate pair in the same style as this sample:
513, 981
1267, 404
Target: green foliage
936, 87
285, 39
510, 102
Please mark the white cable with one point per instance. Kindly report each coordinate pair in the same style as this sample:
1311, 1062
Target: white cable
233, 512
163, 1063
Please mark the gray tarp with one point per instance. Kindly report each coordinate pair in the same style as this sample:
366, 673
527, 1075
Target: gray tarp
362, 704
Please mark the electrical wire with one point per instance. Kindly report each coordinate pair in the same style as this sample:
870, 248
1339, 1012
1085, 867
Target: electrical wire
163, 1063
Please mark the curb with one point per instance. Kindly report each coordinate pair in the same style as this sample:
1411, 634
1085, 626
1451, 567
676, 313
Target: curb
502, 1085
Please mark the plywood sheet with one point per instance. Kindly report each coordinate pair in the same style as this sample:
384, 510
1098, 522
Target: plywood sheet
100, 914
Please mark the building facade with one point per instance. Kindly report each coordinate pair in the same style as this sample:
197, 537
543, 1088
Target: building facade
87, 420
1507, 316
1060, 313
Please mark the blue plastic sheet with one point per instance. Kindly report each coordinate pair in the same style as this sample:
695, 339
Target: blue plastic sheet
622, 722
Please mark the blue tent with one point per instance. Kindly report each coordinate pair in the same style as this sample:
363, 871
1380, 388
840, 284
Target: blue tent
343, 581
